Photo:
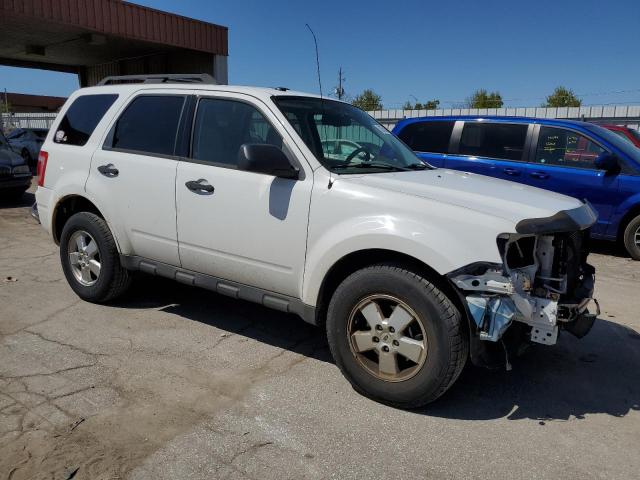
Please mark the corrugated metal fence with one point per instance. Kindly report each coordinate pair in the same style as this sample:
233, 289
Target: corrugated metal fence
26, 120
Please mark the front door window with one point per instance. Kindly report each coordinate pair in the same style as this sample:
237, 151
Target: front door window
557, 146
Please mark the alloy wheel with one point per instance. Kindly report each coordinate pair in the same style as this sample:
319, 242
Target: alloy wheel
84, 258
387, 337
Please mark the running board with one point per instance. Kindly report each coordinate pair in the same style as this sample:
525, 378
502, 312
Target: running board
228, 288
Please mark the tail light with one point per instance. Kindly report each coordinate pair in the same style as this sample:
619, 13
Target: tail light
42, 167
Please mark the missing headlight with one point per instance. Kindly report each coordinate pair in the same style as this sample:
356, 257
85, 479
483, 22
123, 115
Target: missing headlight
518, 253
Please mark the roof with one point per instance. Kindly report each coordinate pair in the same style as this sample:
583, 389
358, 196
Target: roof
22, 100
259, 92
480, 118
90, 32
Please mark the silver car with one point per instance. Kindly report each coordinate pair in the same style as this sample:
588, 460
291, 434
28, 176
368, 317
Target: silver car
27, 142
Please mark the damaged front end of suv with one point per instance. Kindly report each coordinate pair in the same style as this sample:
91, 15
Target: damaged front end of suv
543, 285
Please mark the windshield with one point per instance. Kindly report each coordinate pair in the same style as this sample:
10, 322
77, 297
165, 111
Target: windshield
622, 144
345, 139
620, 134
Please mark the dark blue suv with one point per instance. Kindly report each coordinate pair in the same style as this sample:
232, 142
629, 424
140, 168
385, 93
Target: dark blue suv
579, 159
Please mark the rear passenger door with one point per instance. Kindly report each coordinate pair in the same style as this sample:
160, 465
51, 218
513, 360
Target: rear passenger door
563, 161
428, 139
134, 173
495, 149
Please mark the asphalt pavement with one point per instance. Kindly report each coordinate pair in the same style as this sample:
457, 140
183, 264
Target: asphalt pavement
173, 382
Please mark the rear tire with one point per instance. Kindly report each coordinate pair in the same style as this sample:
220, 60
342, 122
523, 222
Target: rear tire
90, 259
632, 238
429, 349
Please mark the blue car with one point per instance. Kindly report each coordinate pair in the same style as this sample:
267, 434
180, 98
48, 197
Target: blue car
579, 159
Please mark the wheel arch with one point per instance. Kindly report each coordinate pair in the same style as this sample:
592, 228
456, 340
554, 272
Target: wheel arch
359, 259
68, 206
632, 213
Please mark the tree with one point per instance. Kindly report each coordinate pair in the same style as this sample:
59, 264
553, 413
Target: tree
483, 99
368, 100
562, 97
428, 105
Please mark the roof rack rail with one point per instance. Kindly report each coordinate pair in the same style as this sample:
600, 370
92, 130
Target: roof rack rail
160, 78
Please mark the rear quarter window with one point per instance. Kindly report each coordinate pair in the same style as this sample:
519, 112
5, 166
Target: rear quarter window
432, 137
81, 118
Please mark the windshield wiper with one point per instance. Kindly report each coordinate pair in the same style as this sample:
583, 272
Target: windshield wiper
383, 166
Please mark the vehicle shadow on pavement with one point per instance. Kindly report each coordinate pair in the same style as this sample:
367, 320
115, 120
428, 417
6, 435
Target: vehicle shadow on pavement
615, 249
599, 374
282, 330
26, 200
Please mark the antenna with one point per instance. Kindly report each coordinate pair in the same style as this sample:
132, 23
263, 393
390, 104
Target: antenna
315, 40
317, 58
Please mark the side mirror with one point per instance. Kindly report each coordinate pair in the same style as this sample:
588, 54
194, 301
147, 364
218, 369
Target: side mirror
267, 159
608, 162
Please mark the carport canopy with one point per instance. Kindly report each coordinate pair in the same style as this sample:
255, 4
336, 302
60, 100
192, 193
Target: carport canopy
96, 38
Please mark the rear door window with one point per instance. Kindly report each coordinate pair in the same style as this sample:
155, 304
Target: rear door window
557, 146
81, 118
493, 140
428, 137
149, 125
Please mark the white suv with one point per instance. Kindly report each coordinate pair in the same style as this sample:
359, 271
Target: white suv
244, 191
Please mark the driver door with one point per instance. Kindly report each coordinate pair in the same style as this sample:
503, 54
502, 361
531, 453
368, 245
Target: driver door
563, 161
246, 227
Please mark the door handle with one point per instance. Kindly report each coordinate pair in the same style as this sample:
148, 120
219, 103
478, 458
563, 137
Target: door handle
511, 171
540, 175
108, 170
200, 186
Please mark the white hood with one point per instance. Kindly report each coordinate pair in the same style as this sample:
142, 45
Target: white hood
507, 200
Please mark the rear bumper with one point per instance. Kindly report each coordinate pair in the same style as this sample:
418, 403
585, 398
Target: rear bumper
43, 205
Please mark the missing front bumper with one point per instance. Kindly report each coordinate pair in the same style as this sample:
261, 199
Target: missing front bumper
493, 313
543, 283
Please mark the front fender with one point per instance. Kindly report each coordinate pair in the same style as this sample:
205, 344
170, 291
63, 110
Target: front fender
442, 245
631, 203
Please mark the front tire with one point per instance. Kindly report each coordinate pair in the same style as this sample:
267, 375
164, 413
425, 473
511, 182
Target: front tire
395, 336
90, 259
632, 238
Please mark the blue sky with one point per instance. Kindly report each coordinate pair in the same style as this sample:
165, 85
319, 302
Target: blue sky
426, 49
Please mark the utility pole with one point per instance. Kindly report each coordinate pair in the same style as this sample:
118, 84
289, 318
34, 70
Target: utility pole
6, 108
340, 88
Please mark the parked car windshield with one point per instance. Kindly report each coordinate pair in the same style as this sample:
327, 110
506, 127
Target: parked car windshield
346, 139
621, 134
635, 133
622, 144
